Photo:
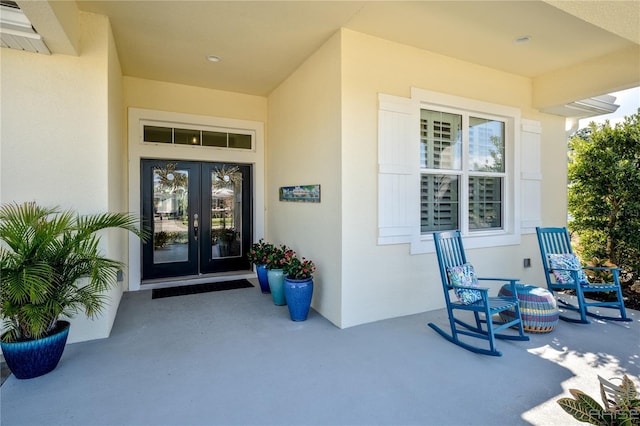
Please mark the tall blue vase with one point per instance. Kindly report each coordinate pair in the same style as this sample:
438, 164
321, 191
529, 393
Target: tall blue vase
261, 271
33, 358
298, 294
276, 285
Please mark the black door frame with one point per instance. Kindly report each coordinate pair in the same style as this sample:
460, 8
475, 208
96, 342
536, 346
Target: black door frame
200, 259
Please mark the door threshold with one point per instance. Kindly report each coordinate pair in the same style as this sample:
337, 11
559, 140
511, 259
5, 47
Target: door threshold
196, 279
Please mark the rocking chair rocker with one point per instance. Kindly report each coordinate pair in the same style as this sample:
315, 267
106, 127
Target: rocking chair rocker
458, 275
560, 262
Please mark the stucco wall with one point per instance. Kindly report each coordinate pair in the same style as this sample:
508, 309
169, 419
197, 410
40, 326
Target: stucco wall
56, 139
164, 96
117, 167
305, 148
386, 281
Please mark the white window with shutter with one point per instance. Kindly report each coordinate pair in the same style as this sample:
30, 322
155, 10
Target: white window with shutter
447, 163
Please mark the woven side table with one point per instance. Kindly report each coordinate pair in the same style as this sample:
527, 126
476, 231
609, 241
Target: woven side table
538, 308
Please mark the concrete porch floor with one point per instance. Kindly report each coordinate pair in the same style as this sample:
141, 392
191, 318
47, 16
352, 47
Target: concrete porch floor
234, 358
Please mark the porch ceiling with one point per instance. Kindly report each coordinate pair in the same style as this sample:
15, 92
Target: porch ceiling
262, 42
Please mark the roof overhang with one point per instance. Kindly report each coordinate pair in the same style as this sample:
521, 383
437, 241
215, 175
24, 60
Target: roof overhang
16, 31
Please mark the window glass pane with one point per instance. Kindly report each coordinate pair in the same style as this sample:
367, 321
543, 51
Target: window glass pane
439, 203
239, 141
485, 202
186, 137
214, 139
486, 145
440, 140
157, 134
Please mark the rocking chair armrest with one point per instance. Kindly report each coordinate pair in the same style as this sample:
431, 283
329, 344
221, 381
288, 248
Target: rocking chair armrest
564, 269
510, 280
601, 268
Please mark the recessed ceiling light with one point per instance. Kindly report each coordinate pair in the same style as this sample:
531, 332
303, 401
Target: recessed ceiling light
522, 39
213, 58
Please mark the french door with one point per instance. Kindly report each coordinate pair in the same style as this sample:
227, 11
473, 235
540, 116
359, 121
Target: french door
200, 217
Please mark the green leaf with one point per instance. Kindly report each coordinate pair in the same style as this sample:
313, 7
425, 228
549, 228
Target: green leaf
583, 408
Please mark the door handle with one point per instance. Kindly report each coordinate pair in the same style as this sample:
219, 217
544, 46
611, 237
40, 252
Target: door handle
195, 225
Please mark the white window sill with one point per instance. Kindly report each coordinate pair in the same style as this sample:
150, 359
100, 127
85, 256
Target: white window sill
424, 244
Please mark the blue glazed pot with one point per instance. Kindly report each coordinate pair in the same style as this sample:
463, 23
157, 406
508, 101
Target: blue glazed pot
298, 294
261, 271
33, 358
276, 284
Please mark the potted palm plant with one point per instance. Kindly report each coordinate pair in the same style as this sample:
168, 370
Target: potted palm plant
50, 268
298, 285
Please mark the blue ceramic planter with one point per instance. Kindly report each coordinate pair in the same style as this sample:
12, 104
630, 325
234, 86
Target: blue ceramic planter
276, 284
261, 271
298, 294
34, 358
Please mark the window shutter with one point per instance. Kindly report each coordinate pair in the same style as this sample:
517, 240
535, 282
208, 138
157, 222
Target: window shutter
398, 170
530, 176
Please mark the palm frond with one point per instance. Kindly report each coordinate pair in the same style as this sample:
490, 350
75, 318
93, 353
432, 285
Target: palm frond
51, 265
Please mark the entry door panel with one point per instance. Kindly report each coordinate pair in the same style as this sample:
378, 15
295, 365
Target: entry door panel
200, 215
226, 210
170, 205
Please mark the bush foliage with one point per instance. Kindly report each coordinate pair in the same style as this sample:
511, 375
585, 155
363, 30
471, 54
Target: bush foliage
604, 194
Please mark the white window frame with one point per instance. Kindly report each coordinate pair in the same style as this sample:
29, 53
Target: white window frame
510, 232
407, 224
464, 174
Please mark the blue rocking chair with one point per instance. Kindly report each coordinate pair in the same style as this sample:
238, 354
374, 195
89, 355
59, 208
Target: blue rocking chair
458, 276
563, 271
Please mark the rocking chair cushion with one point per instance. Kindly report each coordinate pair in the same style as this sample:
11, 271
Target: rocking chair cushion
566, 262
464, 276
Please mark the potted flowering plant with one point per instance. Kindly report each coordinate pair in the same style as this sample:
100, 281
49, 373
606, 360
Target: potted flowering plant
277, 257
258, 255
298, 285
274, 262
296, 268
259, 251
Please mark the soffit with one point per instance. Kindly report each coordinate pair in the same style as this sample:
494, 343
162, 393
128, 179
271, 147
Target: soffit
263, 42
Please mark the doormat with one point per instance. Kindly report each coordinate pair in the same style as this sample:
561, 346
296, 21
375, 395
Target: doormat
158, 293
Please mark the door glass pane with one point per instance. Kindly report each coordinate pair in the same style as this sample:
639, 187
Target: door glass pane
226, 212
170, 214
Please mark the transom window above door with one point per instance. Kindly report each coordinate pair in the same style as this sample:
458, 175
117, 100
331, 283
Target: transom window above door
196, 137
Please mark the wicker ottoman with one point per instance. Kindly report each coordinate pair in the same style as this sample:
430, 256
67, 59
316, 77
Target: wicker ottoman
538, 308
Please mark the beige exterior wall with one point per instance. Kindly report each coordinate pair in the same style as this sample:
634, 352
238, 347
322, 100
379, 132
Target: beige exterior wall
386, 281
304, 147
64, 140
171, 97
117, 168
375, 282
58, 143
